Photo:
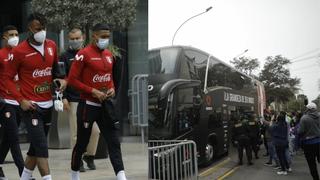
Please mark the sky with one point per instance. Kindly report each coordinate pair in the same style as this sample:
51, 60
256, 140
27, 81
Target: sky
290, 28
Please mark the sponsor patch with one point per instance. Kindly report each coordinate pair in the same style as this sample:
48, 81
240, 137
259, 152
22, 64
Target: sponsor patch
79, 57
7, 114
43, 88
95, 59
34, 122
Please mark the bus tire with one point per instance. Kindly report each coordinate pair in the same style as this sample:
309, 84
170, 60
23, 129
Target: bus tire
209, 154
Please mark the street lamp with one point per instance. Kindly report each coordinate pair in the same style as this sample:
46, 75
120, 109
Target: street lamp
240, 54
208, 9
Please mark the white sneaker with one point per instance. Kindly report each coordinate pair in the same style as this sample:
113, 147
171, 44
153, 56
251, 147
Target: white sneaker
289, 170
282, 173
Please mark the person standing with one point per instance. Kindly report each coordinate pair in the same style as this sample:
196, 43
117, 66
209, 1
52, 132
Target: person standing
309, 133
10, 114
35, 61
254, 134
280, 139
91, 74
240, 133
72, 97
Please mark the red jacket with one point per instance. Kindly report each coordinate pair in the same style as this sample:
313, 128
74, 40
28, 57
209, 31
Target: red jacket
92, 68
4, 93
34, 71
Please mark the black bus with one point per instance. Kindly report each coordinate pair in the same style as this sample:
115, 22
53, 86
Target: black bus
193, 95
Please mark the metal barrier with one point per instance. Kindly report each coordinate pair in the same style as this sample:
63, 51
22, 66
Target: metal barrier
139, 102
172, 160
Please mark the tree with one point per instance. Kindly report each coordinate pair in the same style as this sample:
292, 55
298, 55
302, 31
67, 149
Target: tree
279, 86
86, 13
245, 64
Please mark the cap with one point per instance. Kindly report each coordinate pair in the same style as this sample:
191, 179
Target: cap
311, 106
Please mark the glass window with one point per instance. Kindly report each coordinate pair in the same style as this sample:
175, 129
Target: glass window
199, 63
163, 61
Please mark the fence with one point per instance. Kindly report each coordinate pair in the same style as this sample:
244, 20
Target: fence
172, 160
139, 102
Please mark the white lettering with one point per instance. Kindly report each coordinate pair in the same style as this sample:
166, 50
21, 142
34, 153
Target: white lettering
101, 78
42, 72
238, 98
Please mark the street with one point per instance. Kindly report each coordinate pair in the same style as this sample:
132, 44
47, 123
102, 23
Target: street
227, 168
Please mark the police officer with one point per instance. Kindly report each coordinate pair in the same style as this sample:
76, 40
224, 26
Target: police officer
254, 133
240, 133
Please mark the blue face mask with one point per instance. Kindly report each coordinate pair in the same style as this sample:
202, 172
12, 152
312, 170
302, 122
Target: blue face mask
102, 43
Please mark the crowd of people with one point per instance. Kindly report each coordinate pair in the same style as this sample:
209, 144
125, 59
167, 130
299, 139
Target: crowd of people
283, 135
30, 74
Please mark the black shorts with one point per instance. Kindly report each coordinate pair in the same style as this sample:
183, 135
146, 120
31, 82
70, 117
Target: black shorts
38, 122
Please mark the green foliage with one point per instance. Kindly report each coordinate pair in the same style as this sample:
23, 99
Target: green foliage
246, 64
85, 13
279, 86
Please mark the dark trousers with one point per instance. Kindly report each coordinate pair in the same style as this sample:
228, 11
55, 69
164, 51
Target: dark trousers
86, 116
38, 123
254, 145
312, 154
281, 153
244, 144
10, 117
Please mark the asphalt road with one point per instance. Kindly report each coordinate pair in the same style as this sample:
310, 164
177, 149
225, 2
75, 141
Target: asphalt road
227, 169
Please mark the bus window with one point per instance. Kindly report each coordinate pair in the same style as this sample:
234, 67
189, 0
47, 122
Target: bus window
163, 61
199, 62
184, 109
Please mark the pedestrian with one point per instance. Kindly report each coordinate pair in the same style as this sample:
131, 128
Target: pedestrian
240, 134
268, 137
254, 133
72, 97
36, 63
91, 74
280, 139
309, 132
10, 114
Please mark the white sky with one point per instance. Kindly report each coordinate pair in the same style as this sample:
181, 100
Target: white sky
265, 27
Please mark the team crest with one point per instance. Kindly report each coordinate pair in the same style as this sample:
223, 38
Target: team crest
7, 114
50, 51
86, 125
35, 122
109, 59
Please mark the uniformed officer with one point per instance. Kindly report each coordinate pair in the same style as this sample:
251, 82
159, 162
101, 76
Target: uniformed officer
241, 135
254, 133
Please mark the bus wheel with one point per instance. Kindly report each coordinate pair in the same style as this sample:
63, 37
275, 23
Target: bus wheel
209, 153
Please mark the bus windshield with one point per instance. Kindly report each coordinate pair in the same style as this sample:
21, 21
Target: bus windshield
163, 61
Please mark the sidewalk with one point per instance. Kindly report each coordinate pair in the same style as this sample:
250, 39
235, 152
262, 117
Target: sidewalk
134, 157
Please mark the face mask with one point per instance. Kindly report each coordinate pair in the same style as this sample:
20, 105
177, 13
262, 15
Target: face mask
75, 44
13, 41
58, 104
103, 43
40, 36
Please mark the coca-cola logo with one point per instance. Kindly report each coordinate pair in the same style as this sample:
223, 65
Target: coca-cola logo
101, 78
42, 72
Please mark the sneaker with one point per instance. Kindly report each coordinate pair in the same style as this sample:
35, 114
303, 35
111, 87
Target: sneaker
282, 173
82, 169
276, 167
268, 164
90, 162
289, 170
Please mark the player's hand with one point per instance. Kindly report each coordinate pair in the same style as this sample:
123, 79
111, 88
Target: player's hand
27, 105
62, 84
66, 105
99, 94
111, 93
